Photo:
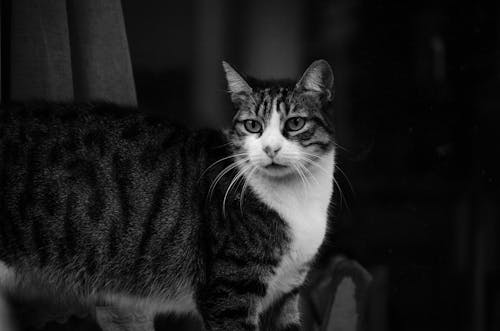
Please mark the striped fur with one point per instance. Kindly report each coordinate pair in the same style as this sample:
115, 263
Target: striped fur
103, 204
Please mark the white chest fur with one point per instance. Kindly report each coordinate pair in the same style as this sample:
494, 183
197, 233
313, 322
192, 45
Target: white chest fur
304, 207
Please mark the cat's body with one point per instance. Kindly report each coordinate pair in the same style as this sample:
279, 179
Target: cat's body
101, 204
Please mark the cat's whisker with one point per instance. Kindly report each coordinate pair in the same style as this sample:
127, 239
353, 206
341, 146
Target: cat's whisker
315, 164
336, 166
340, 146
312, 162
315, 156
296, 168
310, 173
223, 145
237, 177
342, 196
305, 178
219, 177
346, 178
245, 185
221, 160
223, 173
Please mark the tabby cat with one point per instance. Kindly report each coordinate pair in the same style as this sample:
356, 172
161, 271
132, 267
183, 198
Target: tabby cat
104, 204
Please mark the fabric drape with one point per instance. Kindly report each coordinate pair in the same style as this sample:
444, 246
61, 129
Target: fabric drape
66, 50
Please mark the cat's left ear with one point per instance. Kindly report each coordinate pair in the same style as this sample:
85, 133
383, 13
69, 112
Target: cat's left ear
318, 78
235, 83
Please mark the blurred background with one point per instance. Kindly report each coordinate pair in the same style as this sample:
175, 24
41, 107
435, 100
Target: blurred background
416, 112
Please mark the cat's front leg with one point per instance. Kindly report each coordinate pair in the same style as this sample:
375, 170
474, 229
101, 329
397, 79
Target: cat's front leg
228, 306
288, 317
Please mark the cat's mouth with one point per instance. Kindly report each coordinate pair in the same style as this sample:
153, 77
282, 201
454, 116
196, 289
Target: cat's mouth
274, 169
275, 166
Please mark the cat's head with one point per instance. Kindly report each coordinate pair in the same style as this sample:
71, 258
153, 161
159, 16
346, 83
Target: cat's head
281, 127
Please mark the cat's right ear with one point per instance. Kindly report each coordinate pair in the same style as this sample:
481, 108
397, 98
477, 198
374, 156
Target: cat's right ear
318, 78
236, 84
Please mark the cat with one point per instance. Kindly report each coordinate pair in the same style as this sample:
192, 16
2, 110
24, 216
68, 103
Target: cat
104, 204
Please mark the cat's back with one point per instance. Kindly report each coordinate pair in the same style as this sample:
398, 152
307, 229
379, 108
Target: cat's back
74, 146
83, 130
84, 180
64, 137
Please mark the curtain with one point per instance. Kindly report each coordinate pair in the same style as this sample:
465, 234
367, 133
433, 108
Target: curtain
66, 50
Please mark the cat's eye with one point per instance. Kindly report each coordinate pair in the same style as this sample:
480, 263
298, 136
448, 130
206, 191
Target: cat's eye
253, 126
295, 123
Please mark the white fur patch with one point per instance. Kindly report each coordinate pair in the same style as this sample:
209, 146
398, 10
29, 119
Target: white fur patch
304, 207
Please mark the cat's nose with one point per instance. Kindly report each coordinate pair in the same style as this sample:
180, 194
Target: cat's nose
271, 151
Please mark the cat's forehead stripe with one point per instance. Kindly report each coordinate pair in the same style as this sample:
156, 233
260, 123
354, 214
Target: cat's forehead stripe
279, 98
269, 106
282, 107
260, 111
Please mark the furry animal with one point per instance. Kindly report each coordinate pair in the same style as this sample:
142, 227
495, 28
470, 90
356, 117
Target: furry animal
104, 204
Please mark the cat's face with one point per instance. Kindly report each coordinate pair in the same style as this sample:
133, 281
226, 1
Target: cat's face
281, 128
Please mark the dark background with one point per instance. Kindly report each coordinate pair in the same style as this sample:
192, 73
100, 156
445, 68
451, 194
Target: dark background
416, 115
416, 112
